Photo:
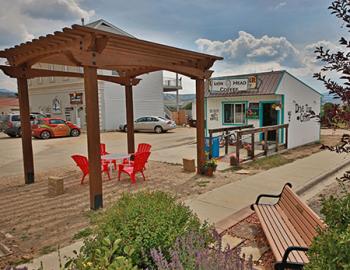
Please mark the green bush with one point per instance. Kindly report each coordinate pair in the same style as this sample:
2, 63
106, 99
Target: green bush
144, 221
104, 257
331, 249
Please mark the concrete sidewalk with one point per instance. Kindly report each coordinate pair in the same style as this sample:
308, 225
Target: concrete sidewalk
222, 202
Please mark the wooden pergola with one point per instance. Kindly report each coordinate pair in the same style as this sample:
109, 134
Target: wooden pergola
94, 49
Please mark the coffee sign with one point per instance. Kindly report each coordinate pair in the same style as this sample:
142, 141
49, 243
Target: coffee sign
232, 85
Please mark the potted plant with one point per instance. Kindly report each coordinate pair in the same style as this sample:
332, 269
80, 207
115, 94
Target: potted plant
248, 147
210, 167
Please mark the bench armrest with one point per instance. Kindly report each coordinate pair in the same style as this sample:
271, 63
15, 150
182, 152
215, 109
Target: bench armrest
290, 249
268, 196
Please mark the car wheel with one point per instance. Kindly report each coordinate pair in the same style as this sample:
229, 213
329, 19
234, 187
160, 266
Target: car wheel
125, 128
75, 132
45, 135
19, 132
12, 135
158, 129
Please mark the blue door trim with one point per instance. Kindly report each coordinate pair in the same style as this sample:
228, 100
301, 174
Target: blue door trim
278, 114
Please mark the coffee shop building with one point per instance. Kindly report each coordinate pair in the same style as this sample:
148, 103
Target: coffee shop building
265, 99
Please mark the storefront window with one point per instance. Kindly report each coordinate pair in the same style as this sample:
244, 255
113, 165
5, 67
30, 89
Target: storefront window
234, 113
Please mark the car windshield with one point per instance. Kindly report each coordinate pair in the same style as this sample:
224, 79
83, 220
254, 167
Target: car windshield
15, 118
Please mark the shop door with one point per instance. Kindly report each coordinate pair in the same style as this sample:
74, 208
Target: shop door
269, 118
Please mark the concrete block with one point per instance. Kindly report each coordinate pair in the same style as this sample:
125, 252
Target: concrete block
55, 186
189, 165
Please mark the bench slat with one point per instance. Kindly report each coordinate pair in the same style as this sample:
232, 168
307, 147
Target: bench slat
297, 238
282, 238
295, 220
268, 233
309, 213
300, 223
281, 231
288, 236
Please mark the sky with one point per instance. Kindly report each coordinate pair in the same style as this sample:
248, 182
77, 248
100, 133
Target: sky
251, 35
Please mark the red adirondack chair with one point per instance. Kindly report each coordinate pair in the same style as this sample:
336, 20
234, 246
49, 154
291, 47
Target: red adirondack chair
104, 152
138, 166
142, 147
83, 163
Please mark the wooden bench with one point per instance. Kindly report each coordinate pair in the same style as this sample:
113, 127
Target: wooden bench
290, 226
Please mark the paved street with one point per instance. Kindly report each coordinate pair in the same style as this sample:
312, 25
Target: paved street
55, 153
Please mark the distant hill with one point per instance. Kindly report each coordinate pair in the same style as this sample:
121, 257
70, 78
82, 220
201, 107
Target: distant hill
7, 93
182, 97
329, 98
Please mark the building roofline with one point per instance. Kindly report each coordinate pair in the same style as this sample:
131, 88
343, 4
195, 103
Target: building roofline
296, 78
248, 74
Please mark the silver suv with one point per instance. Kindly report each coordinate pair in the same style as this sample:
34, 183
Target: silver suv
10, 124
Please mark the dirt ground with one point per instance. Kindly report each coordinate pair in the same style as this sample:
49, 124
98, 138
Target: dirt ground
32, 223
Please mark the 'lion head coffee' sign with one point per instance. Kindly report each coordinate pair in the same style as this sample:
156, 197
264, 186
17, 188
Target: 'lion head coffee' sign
232, 85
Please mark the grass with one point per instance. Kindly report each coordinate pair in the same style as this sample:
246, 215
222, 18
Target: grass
203, 183
268, 162
83, 233
47, 250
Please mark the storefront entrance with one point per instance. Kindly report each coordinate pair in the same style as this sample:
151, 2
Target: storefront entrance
269, 117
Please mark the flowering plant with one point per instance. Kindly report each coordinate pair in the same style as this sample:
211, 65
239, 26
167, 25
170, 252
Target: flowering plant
211, 163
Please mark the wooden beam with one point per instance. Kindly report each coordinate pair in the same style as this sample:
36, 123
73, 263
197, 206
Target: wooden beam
26, 130
16, 72
93, 137
200, 124
130, 118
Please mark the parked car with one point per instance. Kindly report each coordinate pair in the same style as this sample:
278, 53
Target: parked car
11, 123
157, 124
46, 128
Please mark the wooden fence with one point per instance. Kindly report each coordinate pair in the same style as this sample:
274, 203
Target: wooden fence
264, 130
227, 134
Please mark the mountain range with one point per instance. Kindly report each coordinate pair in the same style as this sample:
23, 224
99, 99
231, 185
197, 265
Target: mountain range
7, 93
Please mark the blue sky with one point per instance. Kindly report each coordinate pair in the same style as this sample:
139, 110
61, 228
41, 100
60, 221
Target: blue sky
252, 35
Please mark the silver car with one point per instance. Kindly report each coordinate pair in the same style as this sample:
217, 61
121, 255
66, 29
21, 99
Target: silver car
157, 124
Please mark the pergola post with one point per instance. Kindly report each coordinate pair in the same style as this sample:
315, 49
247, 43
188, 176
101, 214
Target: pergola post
93, 136
130, 118
200, 124
26, 130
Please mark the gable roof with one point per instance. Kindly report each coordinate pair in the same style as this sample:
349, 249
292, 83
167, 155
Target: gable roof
266, 84
108, 27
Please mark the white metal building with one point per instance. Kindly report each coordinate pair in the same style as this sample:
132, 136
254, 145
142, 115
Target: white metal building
64, 97
265, 99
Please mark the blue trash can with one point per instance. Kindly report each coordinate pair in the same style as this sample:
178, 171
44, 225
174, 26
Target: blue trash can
215, 146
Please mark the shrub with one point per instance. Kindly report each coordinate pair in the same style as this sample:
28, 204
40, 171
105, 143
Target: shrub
192, 252
104, 257
144, 221
331, 249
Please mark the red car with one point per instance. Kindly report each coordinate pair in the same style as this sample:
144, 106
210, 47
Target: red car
46, 128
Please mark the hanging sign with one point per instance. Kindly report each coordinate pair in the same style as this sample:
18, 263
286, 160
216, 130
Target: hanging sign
76, 98
232, 85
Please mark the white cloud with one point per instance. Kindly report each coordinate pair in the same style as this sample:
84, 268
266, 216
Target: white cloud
55, 10
248, 53
247, 48
22, 20
279, 5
